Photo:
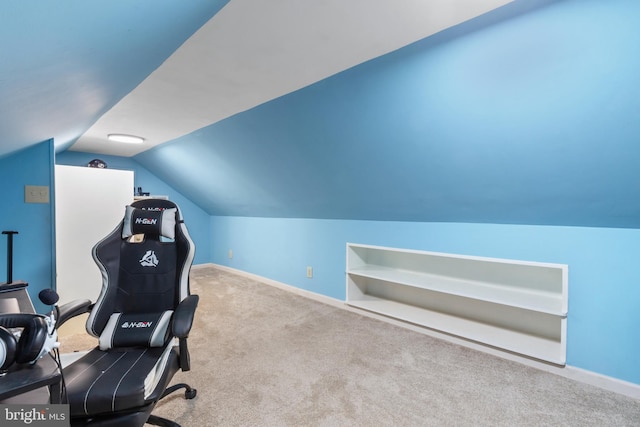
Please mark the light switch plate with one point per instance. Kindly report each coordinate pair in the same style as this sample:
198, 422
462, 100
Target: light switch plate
36, 194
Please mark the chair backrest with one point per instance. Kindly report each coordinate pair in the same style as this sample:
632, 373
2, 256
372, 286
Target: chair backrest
145, 263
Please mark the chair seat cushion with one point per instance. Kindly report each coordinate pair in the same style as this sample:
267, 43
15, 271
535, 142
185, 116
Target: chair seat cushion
118, 380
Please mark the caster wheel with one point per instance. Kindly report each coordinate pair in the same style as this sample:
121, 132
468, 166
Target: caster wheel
190, 394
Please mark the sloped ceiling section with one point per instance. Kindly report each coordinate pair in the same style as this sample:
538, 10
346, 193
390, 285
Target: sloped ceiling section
63, 64
253, 51
526, 118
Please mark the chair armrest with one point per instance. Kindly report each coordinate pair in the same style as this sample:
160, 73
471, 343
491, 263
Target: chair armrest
183, 316
182, 321
73, 309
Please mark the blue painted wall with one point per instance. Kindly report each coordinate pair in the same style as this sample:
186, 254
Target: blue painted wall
197, 220
522, 116
604, 272
34, 250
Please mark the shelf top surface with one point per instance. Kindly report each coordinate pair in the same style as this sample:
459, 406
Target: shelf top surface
355, 246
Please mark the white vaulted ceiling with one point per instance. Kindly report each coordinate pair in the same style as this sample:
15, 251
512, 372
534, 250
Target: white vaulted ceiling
253, 51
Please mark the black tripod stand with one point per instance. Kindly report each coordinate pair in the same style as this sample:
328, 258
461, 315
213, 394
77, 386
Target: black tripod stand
10, 284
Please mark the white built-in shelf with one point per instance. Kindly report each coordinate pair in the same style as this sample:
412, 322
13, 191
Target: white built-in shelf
519, 306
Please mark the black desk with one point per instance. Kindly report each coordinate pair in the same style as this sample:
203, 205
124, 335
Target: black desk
24, 378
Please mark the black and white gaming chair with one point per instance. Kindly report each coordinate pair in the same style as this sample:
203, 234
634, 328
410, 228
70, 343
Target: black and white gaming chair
144, 307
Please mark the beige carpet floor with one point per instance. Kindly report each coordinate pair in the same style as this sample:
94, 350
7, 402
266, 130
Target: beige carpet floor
262, 356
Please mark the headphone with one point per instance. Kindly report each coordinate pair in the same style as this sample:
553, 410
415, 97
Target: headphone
38, 337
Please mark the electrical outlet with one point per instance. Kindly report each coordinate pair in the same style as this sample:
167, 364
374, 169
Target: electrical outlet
36, 194
309, 272
230, 253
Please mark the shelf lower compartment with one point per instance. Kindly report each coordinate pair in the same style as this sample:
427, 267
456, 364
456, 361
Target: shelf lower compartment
529, 299
532, 333
535, 346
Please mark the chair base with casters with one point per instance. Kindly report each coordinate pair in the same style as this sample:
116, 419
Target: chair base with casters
141, 318
189, 393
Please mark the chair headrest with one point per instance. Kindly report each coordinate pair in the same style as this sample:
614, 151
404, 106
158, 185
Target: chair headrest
151, 222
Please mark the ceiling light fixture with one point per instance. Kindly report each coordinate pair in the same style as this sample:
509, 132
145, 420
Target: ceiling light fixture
128, 139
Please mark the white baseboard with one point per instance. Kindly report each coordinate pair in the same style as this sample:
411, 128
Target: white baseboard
588, 377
